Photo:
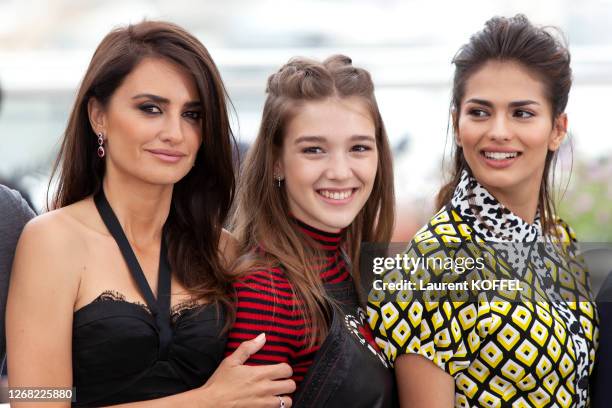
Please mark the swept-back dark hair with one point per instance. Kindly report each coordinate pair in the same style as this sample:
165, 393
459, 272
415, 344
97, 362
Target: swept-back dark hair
201, 200
542, 53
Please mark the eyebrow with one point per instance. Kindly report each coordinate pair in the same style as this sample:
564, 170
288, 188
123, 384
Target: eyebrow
162, 100
516, 104
366, 138
513, 104
310, 139
322, 139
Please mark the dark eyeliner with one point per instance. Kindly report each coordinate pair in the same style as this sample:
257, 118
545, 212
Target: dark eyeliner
524, 114
149, 108
477, 112
194, 115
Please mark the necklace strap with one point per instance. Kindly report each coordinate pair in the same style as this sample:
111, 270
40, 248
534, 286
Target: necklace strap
160, 307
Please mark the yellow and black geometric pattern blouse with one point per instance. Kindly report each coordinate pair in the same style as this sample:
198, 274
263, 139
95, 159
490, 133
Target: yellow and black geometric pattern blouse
534, 348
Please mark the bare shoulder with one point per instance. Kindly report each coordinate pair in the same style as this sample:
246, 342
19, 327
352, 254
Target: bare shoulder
57, 228
228, 247
52, 243
43, 287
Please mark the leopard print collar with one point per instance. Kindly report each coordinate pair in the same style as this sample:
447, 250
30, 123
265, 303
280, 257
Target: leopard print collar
488, 217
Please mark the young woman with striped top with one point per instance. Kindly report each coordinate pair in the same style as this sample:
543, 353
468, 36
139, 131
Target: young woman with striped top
316, 183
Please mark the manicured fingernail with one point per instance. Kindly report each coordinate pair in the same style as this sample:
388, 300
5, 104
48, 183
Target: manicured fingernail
261, 338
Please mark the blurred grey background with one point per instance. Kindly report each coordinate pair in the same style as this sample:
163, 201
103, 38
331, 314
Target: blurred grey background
407, 45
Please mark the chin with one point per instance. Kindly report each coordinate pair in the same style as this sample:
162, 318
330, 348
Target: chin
163, 178
498, 181
332, 222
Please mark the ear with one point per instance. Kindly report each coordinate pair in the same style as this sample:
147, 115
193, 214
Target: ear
558, 133
455, 130
97, 116
278, 169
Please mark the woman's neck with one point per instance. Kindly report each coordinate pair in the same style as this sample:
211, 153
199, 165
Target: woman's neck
326, 240
141, 208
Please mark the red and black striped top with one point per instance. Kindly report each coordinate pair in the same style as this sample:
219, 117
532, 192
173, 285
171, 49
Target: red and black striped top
265, 303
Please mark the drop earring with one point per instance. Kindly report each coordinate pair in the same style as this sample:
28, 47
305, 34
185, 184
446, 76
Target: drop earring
101, 151
278, 181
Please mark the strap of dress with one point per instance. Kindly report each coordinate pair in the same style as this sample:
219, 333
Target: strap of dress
160, 307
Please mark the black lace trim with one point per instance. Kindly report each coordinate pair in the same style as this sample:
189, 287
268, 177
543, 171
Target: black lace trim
114, 296
175, 312
183, 307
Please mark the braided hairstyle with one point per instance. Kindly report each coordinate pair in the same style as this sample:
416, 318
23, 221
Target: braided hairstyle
262, 213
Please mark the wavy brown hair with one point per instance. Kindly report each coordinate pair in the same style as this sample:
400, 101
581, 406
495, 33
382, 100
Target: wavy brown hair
202, 199
541, 52
262, 218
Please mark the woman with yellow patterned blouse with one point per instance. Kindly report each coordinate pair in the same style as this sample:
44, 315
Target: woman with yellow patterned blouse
528, 342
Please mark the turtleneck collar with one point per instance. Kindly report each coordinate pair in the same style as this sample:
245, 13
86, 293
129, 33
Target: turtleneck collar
488, 217
329, 241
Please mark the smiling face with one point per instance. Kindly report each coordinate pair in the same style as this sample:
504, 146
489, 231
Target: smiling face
329, 161
506, 129
151, 124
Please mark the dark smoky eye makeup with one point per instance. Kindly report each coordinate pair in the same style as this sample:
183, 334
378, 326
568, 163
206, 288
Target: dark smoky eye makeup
149, 108
193, 114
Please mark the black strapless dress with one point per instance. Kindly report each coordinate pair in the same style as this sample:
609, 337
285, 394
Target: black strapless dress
125, 352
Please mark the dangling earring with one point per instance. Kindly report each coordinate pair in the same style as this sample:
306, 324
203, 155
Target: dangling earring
278, 181
101, 151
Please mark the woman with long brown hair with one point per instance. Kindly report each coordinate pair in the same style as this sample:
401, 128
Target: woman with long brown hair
531, 342
316, 183
121, 290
